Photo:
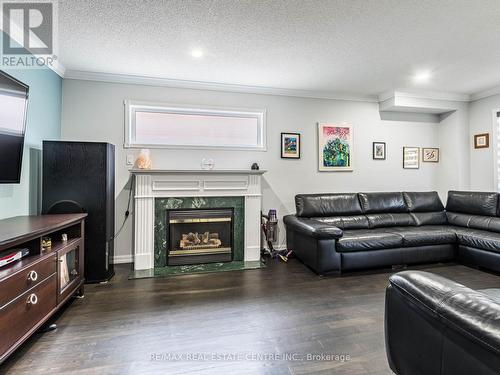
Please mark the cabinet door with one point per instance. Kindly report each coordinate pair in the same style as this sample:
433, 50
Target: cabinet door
70, 270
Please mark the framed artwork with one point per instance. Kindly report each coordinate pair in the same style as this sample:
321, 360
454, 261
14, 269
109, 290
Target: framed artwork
290, 145
482, 140
411, 157
378, 150
430, 155
335, 147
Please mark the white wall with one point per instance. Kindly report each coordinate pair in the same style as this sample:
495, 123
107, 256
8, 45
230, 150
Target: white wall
455, 150
43, 122
482, 161
94, 111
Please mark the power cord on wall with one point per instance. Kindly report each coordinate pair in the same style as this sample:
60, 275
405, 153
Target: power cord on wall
127, 212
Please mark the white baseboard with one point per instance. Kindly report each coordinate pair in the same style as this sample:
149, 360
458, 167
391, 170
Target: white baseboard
120, 259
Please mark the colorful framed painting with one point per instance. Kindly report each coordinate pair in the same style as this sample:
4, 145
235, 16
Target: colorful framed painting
430, 155
482, 140
378, 150
335, 147
290, 145
411, 157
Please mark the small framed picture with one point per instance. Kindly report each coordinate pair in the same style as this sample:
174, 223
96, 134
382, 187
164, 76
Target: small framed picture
411, 157
482, 140
378, 150
290, 145
430, 155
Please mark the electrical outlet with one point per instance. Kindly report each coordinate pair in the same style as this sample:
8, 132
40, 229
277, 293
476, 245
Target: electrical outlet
130, 159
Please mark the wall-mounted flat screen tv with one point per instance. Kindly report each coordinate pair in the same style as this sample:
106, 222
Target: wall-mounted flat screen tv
13, 107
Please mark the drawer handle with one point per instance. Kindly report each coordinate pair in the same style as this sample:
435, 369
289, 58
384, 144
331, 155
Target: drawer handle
32, 299
33, 276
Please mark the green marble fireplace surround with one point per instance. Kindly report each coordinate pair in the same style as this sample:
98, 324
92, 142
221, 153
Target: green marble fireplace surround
162, 205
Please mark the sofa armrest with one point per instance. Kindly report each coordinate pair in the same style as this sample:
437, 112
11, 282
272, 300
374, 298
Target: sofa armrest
469, 311
456, 329
311, 227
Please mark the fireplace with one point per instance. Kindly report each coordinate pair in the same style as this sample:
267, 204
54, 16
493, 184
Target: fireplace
196, 236
157, 191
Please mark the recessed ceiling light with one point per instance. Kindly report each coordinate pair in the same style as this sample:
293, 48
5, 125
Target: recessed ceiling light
422, 76
197, 53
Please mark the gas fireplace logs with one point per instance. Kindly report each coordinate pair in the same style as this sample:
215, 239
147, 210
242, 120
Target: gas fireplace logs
196, 240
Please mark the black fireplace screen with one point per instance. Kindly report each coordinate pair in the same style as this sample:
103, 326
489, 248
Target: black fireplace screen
199, 236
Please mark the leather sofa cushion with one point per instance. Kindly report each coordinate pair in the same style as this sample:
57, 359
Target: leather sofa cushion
458, 219
426, 235
429, 218
346, 222
389, 220
423, 201
474, 203
474, 221
493, 225
382, 203
485, 222
479, 239
368, 239
321, 205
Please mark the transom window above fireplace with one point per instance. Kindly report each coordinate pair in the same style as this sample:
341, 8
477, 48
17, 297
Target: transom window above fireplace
156, 125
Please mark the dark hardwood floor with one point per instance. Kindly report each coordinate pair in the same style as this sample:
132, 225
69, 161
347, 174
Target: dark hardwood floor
285, 309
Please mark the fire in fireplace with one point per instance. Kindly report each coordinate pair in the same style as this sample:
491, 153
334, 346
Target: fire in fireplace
199, 236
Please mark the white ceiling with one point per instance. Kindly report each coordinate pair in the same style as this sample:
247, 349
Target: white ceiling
359, 47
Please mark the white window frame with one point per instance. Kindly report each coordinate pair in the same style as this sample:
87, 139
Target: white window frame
496, 147
132, 106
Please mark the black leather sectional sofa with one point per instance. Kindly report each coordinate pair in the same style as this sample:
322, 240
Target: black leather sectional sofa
332, 233
435, 326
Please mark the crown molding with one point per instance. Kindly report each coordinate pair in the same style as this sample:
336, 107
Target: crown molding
382, 97
212, 86
426, 95
56, 67
485, 93
263, 90
438, 95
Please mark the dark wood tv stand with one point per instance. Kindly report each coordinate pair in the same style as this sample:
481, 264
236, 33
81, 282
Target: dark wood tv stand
34, 288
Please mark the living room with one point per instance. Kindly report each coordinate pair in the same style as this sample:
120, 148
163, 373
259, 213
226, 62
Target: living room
279, 187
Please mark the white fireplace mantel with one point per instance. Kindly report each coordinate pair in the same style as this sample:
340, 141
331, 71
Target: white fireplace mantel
162, 183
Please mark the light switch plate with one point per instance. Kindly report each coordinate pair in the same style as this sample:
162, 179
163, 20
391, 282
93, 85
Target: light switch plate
130, 159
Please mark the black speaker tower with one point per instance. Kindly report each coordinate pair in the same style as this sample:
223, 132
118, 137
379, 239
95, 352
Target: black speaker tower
80, 176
